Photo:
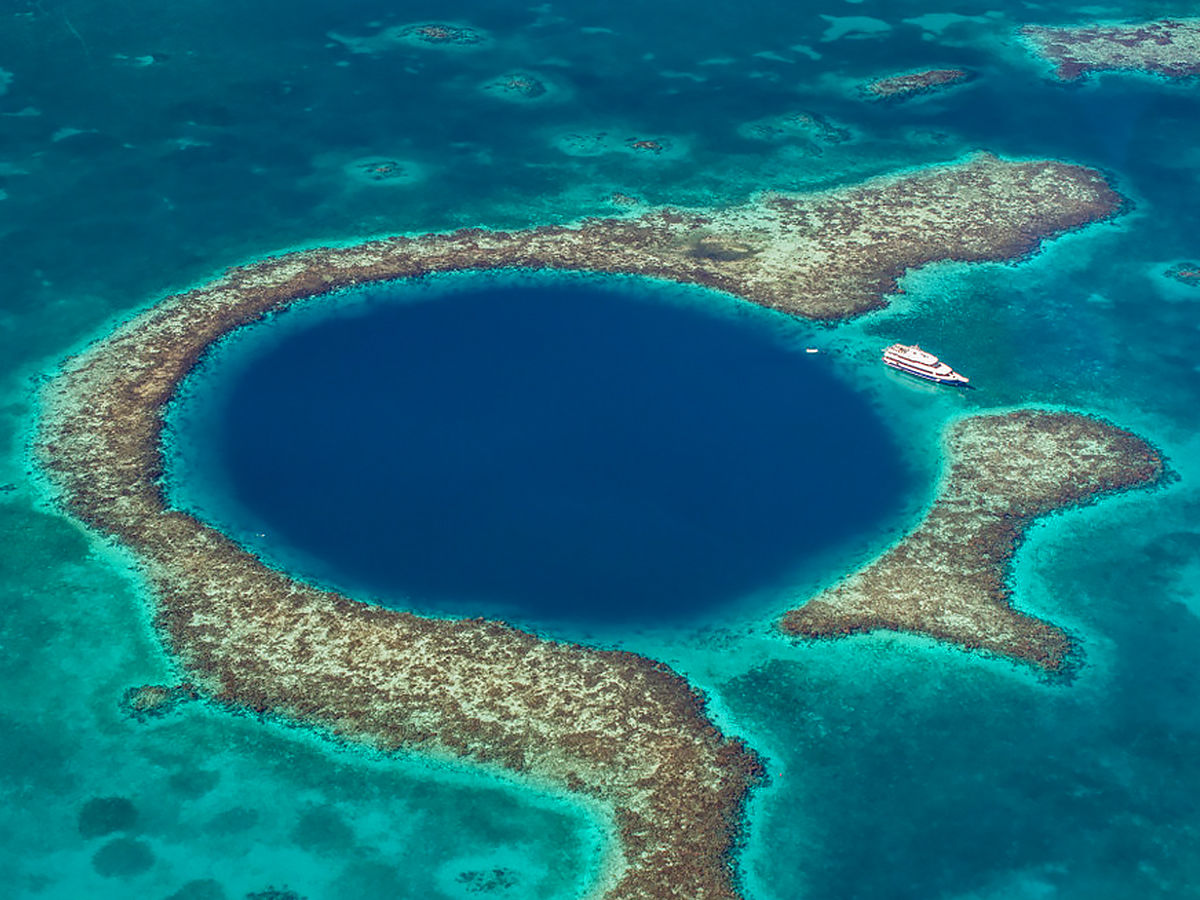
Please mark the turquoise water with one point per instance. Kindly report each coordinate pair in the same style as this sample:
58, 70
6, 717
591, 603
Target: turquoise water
146, 148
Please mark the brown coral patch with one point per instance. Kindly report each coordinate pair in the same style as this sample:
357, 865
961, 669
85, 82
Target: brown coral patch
913, 83
1169, 47
948, 577
438, 33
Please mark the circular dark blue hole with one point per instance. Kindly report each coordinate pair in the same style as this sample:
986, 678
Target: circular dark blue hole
558, 449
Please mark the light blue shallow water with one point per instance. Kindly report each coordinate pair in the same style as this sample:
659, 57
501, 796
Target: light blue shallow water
147, 148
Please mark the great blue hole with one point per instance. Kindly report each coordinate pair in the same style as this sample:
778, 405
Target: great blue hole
546, 448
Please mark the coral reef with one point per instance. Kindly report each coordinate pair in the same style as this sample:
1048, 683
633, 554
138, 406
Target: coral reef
617, 198
488, 881
381, 169
911, 83
806, 125
155, 700
644, 144
619, 728
441, 36
1170, 47
948, 577
1185, 273
274, 893
374, 171
602, 143
517, 86
440, 33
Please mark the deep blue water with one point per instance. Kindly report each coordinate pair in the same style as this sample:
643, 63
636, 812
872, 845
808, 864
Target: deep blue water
554, 450
147, 145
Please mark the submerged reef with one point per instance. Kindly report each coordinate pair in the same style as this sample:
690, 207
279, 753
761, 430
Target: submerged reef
440, 33
274, 893
948, 578
619, 728
155, 700
1185, 273
380, 171
912, 83
517, 86
1170, 47
800, 124
102, 816
602, 143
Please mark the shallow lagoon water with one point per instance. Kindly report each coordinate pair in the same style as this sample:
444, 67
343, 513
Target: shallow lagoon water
550, 449
898, 769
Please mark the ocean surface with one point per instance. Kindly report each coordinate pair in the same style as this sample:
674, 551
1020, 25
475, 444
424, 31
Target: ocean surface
146, 147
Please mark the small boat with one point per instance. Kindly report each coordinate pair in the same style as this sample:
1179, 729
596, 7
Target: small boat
916, 361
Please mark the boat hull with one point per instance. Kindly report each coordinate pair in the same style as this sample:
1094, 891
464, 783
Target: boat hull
953, 380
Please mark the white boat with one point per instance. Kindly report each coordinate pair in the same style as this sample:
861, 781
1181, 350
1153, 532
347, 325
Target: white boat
916, 361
